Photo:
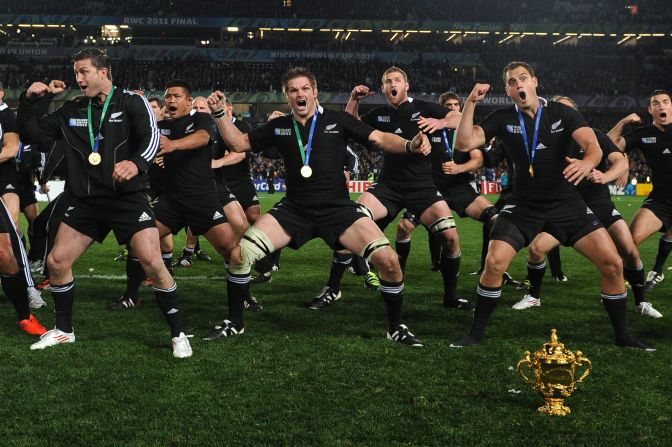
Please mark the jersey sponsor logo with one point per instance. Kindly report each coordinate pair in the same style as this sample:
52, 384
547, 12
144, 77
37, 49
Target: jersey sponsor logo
513, 129
415, 116
588, 210
507, 208
70, 208
330, 128
383, 119
649, 140
541, 146
667, 151
615, 212
398, 130
164, 131
144, 217
116, 117
217, 215
438, 194
189, 129
255, 197
10, 186
282, 132
436, 139
77, 122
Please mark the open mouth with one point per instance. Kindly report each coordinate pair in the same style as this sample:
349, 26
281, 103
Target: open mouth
301, 103
663, 115
172, 109
522, 95
394, 92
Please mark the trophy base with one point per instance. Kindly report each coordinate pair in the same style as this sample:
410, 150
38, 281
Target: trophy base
555, 407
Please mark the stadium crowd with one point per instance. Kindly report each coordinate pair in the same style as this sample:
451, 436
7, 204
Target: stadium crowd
556, 11
593, 71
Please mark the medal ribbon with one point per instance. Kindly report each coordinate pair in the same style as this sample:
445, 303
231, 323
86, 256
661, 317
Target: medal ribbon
17, 160
305, 153
449, 149
530, 153
94, 140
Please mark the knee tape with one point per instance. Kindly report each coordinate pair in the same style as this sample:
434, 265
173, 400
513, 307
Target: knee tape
411, 218
366, 211
441, 225
374, 246
487, 214
254, 245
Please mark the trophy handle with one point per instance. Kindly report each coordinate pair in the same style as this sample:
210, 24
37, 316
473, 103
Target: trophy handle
580, 360
525, 362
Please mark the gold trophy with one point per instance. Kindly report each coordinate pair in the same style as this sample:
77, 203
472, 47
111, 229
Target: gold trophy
554, 369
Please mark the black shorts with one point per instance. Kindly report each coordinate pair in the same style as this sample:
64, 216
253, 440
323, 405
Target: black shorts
567, 221
458, 196
304, 223
662, 210
26, 192
245, 192
225, 195
124, 215
605, 211
396, 197
198, 214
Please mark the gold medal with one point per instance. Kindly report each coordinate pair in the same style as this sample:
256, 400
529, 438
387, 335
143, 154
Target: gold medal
531, 171
94, 158
306, 171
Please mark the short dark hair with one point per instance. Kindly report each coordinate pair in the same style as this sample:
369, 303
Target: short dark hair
98, 58
558, 98
450, 95
516, 64
298, 72
180, 83
157, 100
657, 92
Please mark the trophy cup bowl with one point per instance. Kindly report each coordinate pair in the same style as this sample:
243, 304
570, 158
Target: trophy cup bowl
555, 369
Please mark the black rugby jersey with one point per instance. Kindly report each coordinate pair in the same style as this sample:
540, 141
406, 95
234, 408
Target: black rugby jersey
188, 173
129, 133
327, 158
656, 145
594, 191
440, 155
556, 126
403, 121
8, 172
241, 170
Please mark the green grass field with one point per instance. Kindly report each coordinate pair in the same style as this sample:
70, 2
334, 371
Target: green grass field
304, 378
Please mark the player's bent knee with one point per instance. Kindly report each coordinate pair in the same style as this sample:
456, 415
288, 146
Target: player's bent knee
611, 267
254, 246
386, 261
495, 264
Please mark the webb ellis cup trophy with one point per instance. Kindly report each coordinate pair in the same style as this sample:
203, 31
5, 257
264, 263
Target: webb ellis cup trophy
554, 368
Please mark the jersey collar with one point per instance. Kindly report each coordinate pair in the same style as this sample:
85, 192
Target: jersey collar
544, 102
